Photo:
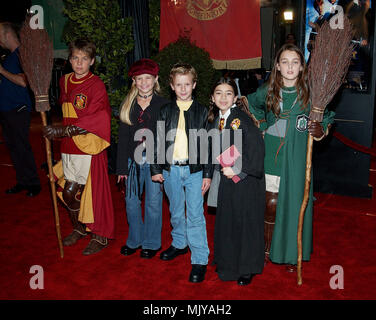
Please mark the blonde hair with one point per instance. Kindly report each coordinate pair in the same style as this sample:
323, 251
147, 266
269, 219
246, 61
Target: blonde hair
130, 100
183, 68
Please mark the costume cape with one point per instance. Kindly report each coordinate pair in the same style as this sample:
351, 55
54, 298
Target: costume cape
85, 104
239, 224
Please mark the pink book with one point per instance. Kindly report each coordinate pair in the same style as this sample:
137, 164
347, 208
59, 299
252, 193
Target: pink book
227, 159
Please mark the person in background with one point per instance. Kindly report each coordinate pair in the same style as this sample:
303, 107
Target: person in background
290, 38
15, 114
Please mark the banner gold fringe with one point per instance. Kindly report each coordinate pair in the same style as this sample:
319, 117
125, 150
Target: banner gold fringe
242, 64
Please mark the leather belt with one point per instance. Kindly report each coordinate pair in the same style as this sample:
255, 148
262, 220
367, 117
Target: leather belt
180, 163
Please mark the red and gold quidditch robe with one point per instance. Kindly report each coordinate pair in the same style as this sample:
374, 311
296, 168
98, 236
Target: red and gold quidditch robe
85, 104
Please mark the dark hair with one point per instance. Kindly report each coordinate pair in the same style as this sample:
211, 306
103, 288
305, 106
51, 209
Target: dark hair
275, 82
83, 45
213, 109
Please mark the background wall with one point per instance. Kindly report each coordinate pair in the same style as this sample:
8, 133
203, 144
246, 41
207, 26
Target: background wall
54, 22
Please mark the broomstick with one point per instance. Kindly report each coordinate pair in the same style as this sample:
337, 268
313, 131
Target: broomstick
327, 69
36, 54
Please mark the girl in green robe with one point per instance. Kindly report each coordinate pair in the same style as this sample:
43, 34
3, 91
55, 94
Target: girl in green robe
282, 108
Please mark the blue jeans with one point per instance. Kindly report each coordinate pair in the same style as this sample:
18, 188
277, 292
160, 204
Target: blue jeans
145, 233
184, 188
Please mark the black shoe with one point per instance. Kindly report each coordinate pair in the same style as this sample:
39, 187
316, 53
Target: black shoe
32, 191
126, 251
148, 253
172, 253
197, 273
245, 280
15, 189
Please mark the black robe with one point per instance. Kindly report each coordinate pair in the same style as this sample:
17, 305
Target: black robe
239, 225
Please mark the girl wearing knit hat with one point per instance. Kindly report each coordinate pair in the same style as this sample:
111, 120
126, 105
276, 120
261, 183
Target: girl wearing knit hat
138, 114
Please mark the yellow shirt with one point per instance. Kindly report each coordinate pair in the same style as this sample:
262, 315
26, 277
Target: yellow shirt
181, 139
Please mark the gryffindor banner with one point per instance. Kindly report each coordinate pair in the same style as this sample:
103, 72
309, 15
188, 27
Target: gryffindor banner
228, 29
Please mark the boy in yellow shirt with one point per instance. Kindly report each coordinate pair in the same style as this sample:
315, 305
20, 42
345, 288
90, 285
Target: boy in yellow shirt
185, 179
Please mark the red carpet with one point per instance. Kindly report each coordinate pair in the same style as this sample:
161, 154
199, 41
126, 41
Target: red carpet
344, 235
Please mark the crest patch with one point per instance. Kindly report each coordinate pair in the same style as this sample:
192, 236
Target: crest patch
206, 9
235, 124
301, 123
80, 101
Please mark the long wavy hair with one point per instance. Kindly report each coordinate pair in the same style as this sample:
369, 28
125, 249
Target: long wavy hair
213, 109
130, 100
275, 82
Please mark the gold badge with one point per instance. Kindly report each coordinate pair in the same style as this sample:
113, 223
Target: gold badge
206, 9
235, 124
80, 101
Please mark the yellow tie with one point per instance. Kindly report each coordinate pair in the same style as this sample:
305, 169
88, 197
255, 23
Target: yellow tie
181, 140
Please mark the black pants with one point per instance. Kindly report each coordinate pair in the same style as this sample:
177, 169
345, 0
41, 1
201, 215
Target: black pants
16, 126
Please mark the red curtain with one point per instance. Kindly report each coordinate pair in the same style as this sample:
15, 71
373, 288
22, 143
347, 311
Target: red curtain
228, 29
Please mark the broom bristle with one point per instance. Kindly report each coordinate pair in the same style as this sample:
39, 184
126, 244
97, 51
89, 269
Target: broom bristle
36, 55
328, 65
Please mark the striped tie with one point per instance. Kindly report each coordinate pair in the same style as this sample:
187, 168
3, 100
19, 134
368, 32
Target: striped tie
221, 124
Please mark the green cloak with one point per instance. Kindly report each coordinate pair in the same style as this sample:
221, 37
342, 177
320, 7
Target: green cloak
290, 164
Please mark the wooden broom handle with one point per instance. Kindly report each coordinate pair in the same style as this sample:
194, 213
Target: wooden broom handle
304, 206
53, 187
